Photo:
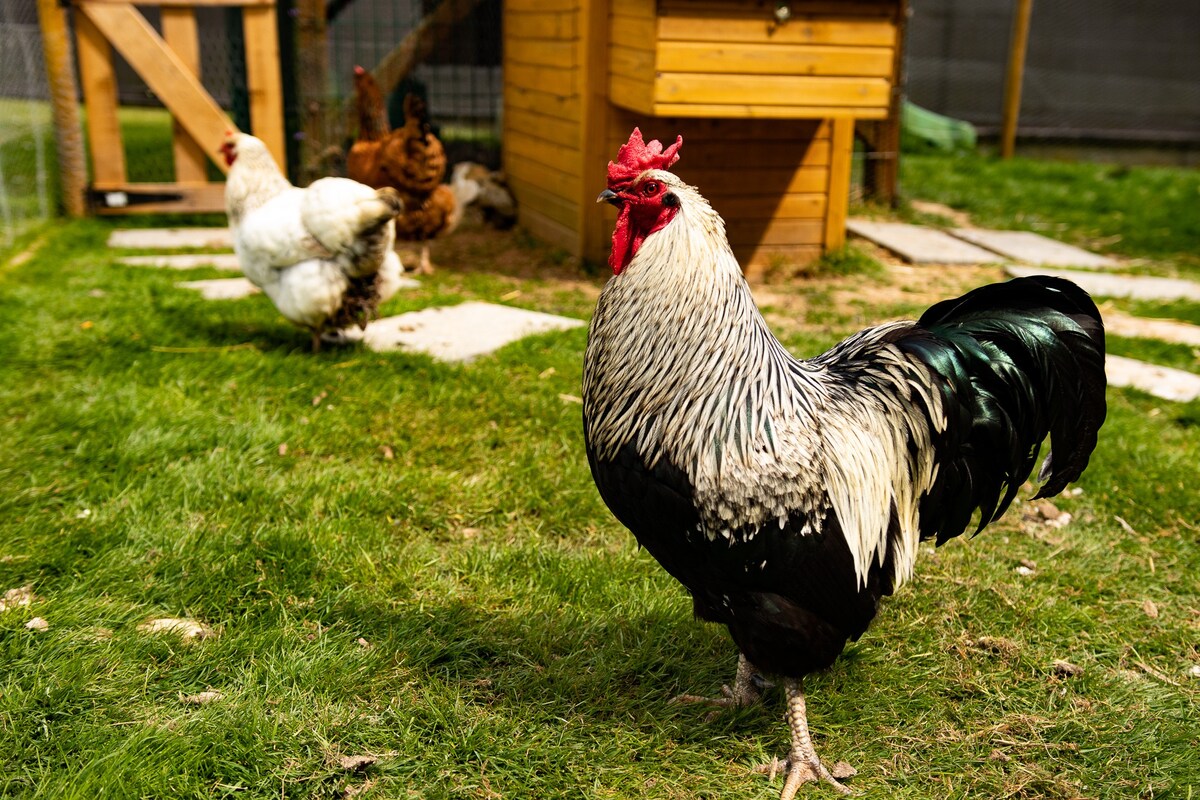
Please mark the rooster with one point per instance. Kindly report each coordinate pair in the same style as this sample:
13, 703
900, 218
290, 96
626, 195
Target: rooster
409, 159
322, 254
788, 496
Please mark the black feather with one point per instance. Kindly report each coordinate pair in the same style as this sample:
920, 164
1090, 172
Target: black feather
1017, 361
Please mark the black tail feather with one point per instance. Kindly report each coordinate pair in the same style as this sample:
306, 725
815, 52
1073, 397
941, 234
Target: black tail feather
1019, 361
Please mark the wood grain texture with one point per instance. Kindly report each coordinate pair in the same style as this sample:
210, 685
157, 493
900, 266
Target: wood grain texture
841, 155
180, 33
164, 73
99, 88
263, 80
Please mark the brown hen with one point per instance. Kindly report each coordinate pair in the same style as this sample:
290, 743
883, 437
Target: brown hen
410, 159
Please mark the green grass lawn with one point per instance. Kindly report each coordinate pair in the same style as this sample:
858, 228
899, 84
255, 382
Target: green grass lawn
407, 560
1145, 213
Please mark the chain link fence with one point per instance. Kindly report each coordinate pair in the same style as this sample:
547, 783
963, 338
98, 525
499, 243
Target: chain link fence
457, 72
27, 160
1098, 73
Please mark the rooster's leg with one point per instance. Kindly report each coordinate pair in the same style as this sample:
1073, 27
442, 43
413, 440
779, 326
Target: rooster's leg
802, 764
746, 689
316, 341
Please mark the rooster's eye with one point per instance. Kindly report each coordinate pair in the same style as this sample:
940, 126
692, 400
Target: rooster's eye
650, 189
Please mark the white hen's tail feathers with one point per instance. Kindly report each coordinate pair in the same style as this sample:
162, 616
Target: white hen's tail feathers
355, 232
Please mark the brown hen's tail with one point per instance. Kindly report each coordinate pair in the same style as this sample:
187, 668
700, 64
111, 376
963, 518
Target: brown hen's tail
415, 110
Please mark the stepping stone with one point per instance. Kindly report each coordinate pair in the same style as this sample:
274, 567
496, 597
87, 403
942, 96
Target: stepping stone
1165, 330
225, 261
1106, 285
1033, 248
458, 333
1164, 382
222, 288
165, 238
921, 245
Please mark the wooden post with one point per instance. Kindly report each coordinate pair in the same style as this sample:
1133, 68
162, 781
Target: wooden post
593, 123
180, 34
60, 74
841, 157
1013, 77
100, 97
263, 80
881, 170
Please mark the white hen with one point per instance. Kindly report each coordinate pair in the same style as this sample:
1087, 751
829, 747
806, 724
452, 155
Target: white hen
323, 254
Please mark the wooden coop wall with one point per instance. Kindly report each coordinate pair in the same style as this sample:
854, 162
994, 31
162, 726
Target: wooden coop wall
729, 58
780, 185
767, 122
543, 115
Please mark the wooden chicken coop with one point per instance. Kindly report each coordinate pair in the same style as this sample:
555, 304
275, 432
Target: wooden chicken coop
765, 94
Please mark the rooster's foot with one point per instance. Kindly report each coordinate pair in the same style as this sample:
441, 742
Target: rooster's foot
804, 772
747, 689
802, 764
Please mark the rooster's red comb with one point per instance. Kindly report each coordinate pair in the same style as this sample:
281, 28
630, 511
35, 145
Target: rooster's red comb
635, 157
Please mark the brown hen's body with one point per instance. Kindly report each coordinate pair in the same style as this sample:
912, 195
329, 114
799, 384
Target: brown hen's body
410, 159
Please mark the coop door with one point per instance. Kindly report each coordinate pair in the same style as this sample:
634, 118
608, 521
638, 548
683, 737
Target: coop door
169, 64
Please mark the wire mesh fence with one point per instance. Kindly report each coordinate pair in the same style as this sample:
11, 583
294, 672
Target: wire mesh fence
27, 162
458, 72
1096, 71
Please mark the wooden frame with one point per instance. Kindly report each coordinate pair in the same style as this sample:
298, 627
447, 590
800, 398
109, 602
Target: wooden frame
169, 64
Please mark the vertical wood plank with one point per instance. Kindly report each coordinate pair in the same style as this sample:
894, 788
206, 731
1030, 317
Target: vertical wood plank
179, 32
881, 172
840, 157
100, 96
263, 79
60, 75
593, 60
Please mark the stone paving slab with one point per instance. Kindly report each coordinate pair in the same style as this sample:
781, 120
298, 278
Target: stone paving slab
222, 288
225, 261
921, 245
458, 333
1165, 330
165, 238
1105, 285
1164, 382
1033, 248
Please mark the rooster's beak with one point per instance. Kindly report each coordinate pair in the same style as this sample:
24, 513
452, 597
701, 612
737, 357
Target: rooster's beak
609, 196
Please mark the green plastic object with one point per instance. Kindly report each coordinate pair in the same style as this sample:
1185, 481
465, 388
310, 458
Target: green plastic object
922, 129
